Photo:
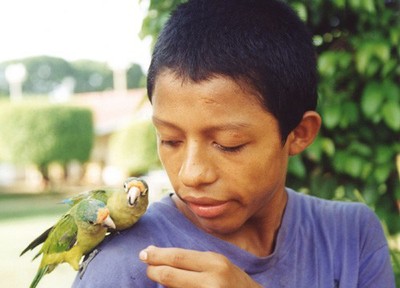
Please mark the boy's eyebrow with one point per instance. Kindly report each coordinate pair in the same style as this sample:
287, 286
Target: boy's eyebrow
157, 121
224, 127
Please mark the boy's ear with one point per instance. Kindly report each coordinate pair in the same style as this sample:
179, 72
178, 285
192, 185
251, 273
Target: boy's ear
304, 134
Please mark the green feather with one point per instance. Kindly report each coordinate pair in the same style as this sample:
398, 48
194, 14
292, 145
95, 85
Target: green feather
74, 235
39, 275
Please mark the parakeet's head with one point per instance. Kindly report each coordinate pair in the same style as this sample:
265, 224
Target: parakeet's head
137, 191
92, 212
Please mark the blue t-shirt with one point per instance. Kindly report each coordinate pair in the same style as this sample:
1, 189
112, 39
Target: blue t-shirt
320, 243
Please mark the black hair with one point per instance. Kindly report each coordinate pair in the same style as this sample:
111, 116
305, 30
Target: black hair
262, 43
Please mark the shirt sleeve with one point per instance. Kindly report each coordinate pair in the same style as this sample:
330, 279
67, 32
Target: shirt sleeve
115, 263
375, 263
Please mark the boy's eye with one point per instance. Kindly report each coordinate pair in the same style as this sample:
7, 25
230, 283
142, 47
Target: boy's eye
170, 143
230, 148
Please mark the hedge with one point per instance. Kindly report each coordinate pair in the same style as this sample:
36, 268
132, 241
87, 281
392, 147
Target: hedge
41, 133
134, 148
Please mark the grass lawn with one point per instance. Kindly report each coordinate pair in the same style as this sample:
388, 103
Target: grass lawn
18, 205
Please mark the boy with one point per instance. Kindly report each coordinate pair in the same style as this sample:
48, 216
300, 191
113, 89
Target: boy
233, 89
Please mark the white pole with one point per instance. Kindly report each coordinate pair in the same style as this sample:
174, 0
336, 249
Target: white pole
15, 75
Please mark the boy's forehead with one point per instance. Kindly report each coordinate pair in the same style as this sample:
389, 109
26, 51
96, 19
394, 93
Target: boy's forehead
219, 97
171, 78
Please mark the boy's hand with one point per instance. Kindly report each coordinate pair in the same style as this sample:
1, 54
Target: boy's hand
177, 268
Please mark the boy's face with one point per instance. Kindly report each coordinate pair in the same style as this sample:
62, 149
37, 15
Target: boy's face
222, 151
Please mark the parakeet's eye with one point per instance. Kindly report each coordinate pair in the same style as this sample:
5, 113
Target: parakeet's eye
125, 187
91, 222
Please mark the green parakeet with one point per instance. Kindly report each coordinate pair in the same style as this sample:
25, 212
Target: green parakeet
126, 205
76, 234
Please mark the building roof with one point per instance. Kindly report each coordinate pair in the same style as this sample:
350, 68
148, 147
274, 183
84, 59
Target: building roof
114, 109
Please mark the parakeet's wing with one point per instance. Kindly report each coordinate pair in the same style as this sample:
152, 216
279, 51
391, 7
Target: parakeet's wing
39, 240
100, 194
62, 237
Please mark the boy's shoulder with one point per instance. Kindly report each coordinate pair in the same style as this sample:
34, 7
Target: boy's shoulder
315, 206
339, 219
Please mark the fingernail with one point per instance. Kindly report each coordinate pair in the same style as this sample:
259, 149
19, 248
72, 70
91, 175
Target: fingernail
143, 255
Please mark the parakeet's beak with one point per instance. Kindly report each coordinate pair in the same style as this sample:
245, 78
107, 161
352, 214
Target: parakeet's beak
133, 196
109, 223
103, 217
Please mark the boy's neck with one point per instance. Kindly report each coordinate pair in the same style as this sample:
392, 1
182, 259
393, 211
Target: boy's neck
258, 235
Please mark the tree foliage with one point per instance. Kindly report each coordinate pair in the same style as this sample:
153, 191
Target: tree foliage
358, 45
91, 76
41, 133
45, 74
134, 148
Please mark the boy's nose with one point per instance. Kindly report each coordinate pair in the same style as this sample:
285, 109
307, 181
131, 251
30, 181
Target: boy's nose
196, 168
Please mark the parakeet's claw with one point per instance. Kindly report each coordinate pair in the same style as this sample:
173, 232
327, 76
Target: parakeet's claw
133, 196
85, 263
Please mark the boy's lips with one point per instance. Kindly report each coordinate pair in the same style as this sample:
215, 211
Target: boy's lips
206, 207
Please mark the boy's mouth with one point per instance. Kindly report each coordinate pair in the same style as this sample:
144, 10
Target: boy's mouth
206, 207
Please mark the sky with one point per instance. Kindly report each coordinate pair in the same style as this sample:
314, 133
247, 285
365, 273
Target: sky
100, 30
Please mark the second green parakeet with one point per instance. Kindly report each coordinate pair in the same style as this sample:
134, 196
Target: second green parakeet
76, 234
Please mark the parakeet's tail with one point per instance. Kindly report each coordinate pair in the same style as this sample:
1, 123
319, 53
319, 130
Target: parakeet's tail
39, 240
67, 201
41, 272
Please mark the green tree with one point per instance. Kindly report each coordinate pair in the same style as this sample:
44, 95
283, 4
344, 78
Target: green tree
134, 148
158, 13
91, 76
45, 73
135, 76
42, 133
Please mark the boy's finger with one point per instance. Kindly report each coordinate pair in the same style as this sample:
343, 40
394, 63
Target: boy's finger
176, 257
173, 277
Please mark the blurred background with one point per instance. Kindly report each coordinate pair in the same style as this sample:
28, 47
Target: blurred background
74, 113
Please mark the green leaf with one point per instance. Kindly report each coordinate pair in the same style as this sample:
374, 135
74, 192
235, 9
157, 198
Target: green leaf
382, 50
368, 5
331, 115
383, 154
328, 146
326, 63
361, 149
382, 172
395, 35
301, 10
363, 54
367, 51
354, 166
391, 115
388, 67
391, 91
371, 99
296, 167
355, 4
350, 114
372, 67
